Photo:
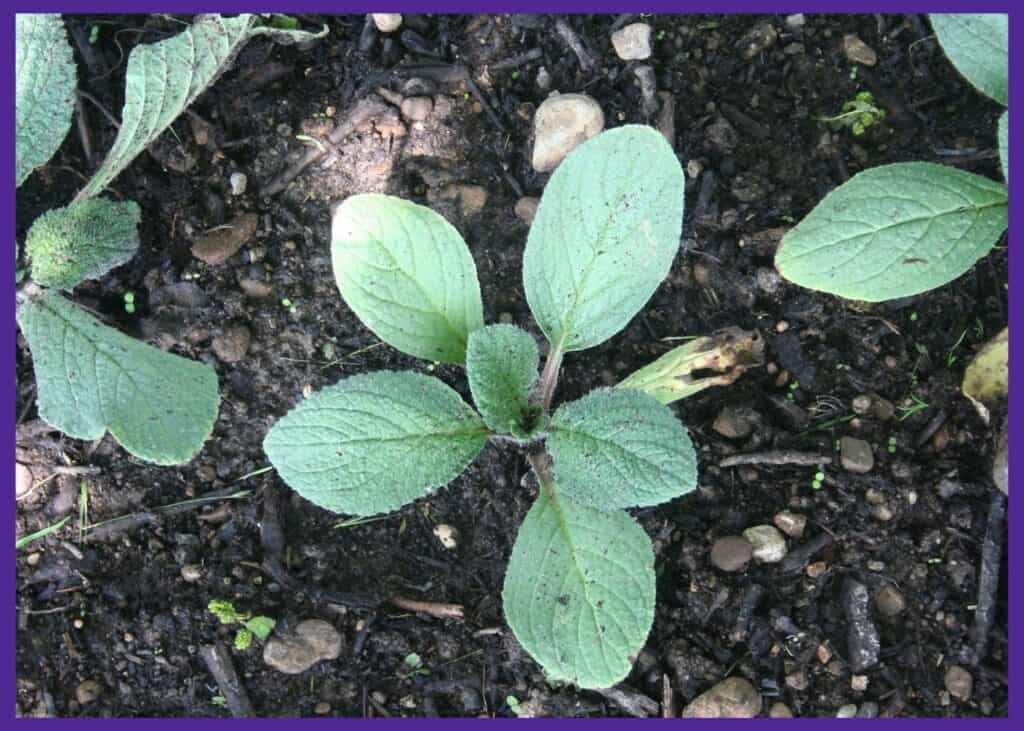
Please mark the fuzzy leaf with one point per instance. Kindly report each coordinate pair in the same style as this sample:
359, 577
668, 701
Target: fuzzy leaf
501, 365
620, 448
44, 95
407, 274
82, 241
163, 79
604, 236
374, 442
1004, 144
91, 378
978, 46
261, 626
895, 230
579, 591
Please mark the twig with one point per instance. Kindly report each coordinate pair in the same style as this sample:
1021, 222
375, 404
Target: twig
83, 130
519, 60
434, 609
988, 576
630, 701
222, 669
781, 457
575, 44
99, 105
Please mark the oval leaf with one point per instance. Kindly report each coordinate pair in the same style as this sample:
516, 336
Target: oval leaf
501, 365
895, 230
407, 274
620, 448
604, 236
82, 241
44, 94
579, 591
978, 46
1004, 144
374, 442
92, 378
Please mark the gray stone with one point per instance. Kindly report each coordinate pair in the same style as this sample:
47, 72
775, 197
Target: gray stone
735, 422
294, 652
238, 182
232, 345
633, 43
217, 246
732, 698
857, 51
417, 108
387, 22
731, 553
759, 39
769, 544
855, 455
561, 123
792, 524
889, 601
24, 479
88, 691
721, 135
526, 209
959, 683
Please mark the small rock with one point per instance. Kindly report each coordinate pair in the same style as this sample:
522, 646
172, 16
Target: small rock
732, 698
238, 181
861, 404
735, 422
387, 22
322, 708
769, 545
543, 79
24, 479
633, 43
796, 21
768, 280
847, 711
731, 553
417, 108
313, 640
760, 38
824, 654
88, 691
721, 135
779, 710
526, 209
797, 680
1001, 462
561, 123
470, 198
448, 536
855, 455
859, 683
792, 524
882, 513
220, 244
959, 683
191, 573
857, 51
868, 709
232, 345
862, 639
256, 289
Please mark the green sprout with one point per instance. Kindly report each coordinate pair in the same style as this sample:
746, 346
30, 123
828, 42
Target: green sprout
858, 114
913, 316
819, 478
258, 626
511, 701
793, 387
129, 302
892, 445
917, 404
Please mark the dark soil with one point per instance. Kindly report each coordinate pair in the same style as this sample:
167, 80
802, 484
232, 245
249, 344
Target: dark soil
110, 605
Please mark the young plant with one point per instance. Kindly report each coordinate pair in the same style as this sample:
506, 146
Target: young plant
579, 590
251, 626
91, 378
858, 114
902, 229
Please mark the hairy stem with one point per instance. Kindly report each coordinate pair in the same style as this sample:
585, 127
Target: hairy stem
549, 378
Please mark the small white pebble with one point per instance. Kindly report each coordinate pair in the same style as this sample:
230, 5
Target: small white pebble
448, 536
238, 183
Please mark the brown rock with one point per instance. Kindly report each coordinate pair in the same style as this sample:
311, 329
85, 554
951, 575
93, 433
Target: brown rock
792, 524
732, 698
731, 553
526, 209
217, 246
959, 683
88, 691
232, 345
313, 640
857, 51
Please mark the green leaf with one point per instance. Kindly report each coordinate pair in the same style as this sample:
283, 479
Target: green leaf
374, 442
407, 274
91, 378
261, 626
620, 448
501, 365
163, 79
978, 46
44, 94
224, 610
579, 591
82, 241
604, 236
1004, 144
243, 639
895, 230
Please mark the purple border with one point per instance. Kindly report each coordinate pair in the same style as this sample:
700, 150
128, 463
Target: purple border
1016, 278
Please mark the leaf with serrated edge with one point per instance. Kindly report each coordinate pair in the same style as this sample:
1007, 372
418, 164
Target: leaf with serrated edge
1004, 144
44, 94
620, 448
82, 241
893, 231
604, 237
91, 378
579, 591
978, 46
374, 442
163, 79
501, 366
407, 274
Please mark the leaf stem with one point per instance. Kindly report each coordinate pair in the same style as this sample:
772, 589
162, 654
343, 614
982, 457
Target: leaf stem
549, 377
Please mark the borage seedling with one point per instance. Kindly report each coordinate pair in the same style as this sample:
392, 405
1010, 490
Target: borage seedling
579, 590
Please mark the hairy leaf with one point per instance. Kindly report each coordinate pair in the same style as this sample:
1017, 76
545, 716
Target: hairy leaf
895, 230
620, 448
261, 626
579, 591
82, 241
91, 378
44, 94
374, 442
1004, 144
978, 46
501, 365
407, 274
163, 79
604, 236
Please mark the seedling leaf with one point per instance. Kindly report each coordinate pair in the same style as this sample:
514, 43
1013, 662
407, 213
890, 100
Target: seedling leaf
978, 46
501, 365
44, 93
407, 274
1004, 144
620, 448
82, 241
895, 230
579, 591
373, 442
91, 378
163, 79
604, 236
260, 626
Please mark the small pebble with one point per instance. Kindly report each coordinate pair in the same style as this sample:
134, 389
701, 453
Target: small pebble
796, 21
238, 181
824, 654
855, 455
792, 524
797, 680
735, 422
779, 710
633, 42
294, 652
731, 553
959, 683
857, 51
526, 209
560, 124
769, 544
448, 536
232, 345
759, 39
417, 108
731, 698
859, 683
387, 22
322, 708
816, 569
847, 711
24, 479
191, 573
88, 691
